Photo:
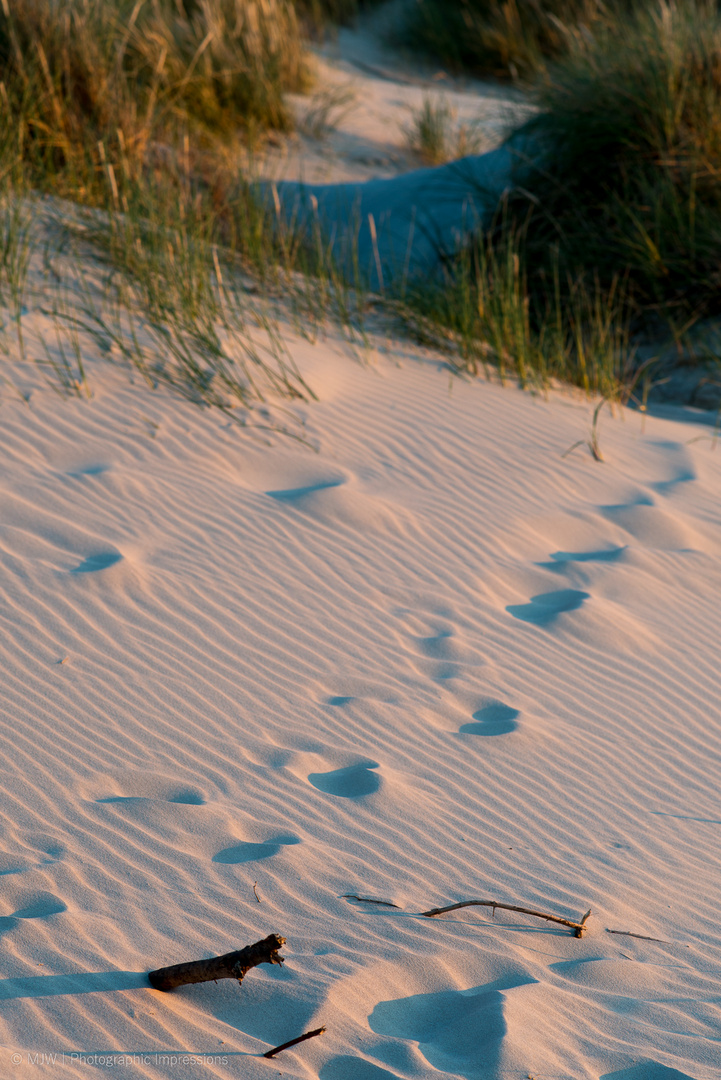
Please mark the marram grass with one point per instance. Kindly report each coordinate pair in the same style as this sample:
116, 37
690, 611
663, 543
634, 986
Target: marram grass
126, 108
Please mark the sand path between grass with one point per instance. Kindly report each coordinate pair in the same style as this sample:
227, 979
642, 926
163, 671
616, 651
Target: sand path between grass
431, 660
349, 165
367, 90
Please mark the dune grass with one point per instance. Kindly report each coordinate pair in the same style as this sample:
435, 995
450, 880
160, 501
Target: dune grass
78, 74
621, 175
126, 108
192, 293
610, 233
436, 135
325, 109
506, 38
480, 315
152, 289
16, 249
612, 224
320, 16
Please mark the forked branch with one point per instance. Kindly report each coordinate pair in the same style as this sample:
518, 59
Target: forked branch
579, 928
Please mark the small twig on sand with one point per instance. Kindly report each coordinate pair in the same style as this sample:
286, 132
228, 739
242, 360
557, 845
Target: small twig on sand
255, 890
232, 965
641, 937
579, 928
367, 900
293, 1042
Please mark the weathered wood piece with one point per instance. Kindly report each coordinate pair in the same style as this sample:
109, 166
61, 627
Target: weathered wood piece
579, 928
232, 965
367, 900
293, 1042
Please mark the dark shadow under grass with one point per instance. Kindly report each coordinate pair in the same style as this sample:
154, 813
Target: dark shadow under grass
623, 174
610, 231
318, 15
507, 38
481, 314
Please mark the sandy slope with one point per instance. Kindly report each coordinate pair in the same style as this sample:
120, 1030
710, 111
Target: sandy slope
434, 660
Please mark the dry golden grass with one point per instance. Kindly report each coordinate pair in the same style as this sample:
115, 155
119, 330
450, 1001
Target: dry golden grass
82, 72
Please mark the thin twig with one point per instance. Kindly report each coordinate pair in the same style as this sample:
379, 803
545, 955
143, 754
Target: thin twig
293, 1042
367, 900
256, 891
641, 937
578, 927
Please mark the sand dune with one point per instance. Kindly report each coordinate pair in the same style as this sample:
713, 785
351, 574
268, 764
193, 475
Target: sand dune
434, 660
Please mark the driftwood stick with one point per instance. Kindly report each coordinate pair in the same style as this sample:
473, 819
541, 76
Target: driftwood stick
232, 965
367, 900
293, 1042
578, 927
641, 937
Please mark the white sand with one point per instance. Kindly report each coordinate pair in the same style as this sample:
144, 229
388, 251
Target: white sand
432, 661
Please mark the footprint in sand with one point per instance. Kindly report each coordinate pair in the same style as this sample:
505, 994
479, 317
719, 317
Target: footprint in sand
340, 500
544, 609
186, 796
667, 487
437, 650
349, 783
680, 464
145, 786
647, 1070
651, 526
100, 561
89, 470
345, 691
48, 846
303, 496
492, 719
442, 650
39, 906
450, 1025
11, 866
560, 559
247, 852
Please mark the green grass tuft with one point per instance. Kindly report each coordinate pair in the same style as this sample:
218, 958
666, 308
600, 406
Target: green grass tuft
436, 135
